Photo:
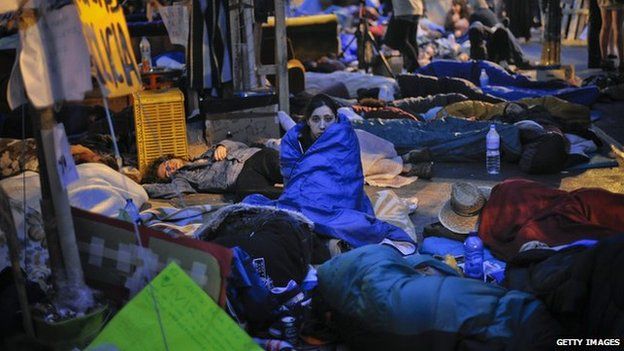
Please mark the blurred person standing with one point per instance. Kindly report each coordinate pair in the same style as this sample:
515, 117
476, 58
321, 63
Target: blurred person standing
402, 30
611, 12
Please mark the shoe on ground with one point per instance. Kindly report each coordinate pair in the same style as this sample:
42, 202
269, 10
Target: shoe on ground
422, 170
418, 155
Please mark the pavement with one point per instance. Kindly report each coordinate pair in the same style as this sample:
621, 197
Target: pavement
432, 194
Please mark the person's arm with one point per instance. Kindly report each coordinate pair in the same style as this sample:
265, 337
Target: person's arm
169, 190
231, 145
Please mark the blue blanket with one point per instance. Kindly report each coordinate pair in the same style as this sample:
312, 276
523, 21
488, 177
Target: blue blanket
510, 86
326, 184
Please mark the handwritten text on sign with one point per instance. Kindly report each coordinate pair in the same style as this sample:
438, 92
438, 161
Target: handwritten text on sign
104, 28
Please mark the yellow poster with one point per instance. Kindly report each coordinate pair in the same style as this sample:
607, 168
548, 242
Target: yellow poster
104, 28
189, 320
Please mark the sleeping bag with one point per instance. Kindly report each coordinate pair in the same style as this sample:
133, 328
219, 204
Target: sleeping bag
383, 301
510, 86
326, 184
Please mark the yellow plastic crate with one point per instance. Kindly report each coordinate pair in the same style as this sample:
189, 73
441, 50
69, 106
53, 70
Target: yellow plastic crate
160, 125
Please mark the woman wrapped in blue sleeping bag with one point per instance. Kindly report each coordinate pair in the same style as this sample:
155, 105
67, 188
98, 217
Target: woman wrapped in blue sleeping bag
323, 179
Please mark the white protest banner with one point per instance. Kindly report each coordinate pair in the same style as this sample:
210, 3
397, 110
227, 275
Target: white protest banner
105, 30
176, 19
54, 60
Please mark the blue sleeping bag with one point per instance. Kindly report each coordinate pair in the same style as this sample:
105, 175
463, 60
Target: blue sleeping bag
384, 301
326, 184
510, 86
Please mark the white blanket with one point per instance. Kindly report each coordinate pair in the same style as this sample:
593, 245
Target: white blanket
380, 162
317, 82
100, 189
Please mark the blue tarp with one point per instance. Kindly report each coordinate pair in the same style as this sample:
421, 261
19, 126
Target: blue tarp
326, 184
510, 86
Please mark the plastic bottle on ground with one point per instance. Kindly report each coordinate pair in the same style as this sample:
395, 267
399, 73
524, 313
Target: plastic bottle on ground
484, 79
473, 254
146, 55
492, 153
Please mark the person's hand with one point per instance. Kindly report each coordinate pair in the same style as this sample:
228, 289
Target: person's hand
220, 153
83, 154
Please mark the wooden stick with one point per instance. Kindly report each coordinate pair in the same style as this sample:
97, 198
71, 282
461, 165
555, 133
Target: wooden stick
7, 225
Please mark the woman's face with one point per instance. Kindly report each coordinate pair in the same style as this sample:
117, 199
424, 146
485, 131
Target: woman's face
320, 119
169, 167
456, 8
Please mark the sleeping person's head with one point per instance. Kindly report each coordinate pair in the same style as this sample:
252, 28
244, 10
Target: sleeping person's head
320, 114
162, 168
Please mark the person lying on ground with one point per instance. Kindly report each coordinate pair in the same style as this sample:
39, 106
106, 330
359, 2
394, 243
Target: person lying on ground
18, 155
323, 180
230, 166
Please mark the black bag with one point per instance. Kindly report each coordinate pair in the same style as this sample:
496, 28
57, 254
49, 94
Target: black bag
282, 247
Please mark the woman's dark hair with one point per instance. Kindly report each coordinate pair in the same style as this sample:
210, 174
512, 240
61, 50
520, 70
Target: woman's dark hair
318, 101
464, 12
151, 173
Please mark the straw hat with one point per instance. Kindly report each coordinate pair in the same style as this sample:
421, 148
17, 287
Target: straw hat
461, 212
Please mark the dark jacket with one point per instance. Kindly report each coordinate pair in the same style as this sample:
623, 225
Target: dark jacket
582, 287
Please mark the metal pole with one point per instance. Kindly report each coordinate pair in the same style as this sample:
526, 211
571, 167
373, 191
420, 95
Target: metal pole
281, 56
235, 38
251, 80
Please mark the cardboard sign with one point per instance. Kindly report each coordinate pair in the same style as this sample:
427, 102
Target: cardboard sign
65, 165
104, 28
190, 319
176, 19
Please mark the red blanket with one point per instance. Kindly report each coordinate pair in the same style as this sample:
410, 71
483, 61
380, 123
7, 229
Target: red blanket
520, 210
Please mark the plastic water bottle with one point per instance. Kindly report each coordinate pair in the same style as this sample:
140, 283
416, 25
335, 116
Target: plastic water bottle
385, 94
492, 153
146, 55
484, 79
473, 254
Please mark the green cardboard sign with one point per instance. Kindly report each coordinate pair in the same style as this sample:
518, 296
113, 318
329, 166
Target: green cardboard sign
191, 320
